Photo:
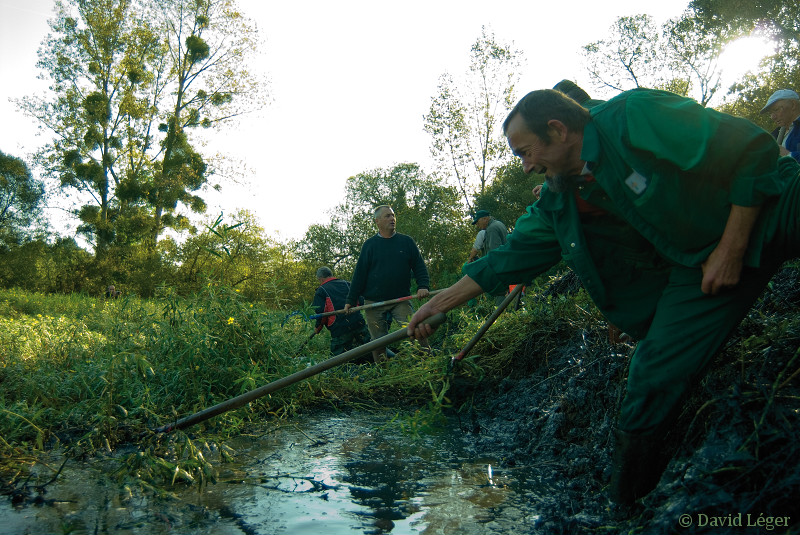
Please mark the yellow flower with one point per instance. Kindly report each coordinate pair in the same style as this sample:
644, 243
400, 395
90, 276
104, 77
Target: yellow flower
230, 320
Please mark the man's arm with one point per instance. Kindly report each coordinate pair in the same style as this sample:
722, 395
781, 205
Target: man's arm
723, 267
786, 152
459, 293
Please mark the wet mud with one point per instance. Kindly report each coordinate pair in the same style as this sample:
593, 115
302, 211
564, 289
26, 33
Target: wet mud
736, 444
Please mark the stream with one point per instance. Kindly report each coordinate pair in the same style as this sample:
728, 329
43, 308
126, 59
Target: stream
322, 474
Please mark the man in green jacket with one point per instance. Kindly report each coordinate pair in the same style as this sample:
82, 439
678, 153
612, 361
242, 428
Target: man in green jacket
674, 216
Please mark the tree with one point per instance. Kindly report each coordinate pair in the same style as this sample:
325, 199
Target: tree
20, 196
237, 255
683, 58
208, 44
509, 196
464, 124
130, 79
693, 51
774, 20
39, 266
779, 19
85, 58
426, 210
628, 58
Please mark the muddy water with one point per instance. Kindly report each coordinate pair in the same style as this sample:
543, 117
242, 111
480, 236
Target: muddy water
326, 474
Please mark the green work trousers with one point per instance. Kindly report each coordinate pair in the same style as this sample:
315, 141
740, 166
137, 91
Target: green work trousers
689, 327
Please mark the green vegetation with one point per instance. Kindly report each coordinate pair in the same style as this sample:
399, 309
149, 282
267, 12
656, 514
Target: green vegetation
90, 375
84, 378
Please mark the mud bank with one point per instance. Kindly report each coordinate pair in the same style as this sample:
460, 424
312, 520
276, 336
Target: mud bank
737, 440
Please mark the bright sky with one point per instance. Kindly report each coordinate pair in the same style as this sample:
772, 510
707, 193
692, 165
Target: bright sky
350, 83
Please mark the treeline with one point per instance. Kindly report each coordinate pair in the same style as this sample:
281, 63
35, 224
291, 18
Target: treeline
232, 249
132, 83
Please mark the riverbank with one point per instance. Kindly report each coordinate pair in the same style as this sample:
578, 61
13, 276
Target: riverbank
538, 396
736, 441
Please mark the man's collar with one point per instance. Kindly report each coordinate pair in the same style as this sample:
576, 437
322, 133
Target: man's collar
590, 151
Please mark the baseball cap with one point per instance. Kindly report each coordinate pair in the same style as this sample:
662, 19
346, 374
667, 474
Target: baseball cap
479, 214
780, 94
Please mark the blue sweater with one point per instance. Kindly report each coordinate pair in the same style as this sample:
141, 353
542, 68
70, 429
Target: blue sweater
792, 140
384, 269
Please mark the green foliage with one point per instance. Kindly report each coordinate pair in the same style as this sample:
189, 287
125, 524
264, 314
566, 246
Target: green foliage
464, 119
426, 210
776, 20
238, 256
20, 197
430, 417
92, 374
509, 196
39, 266
119, 70
235, 255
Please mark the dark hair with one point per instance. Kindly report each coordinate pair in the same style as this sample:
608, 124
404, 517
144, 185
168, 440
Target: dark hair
324, 272
539, 107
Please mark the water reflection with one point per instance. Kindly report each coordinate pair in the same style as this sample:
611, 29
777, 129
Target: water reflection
325, 475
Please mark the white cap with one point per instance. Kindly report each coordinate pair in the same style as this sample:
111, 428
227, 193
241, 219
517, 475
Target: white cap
780, 94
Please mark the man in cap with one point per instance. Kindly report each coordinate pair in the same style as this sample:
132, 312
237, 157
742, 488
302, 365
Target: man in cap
672, 238
494, 235
783, 107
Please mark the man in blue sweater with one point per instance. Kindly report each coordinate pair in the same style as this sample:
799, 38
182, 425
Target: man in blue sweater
383, 272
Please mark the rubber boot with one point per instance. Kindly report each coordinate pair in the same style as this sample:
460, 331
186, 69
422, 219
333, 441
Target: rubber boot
639, 461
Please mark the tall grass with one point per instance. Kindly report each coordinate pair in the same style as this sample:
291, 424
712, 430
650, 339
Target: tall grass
89, 374
92, 375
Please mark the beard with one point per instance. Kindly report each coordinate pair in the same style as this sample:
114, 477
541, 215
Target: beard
561, 183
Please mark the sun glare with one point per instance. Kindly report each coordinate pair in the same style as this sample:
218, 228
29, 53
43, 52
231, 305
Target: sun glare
743, 55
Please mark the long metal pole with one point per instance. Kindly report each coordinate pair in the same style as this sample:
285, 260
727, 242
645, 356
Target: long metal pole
247, 397
371, 305
488, 323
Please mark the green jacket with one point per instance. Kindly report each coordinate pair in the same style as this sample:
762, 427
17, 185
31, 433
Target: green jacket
666, 171
672, 168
